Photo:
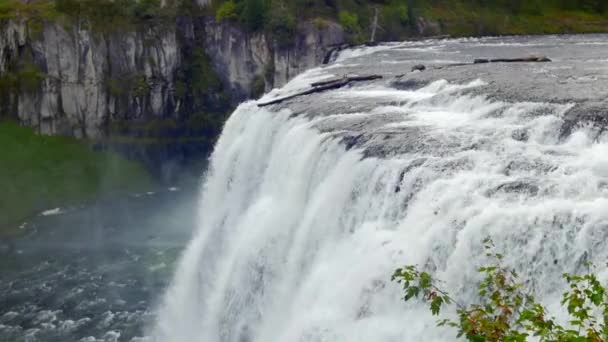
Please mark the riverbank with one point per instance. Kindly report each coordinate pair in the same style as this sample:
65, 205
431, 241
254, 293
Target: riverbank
460, 20
43, 172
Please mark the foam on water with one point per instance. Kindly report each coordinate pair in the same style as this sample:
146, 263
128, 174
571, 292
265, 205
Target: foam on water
51, 212
300, 236
364, 51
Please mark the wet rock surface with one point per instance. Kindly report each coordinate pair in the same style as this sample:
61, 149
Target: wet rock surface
573, 86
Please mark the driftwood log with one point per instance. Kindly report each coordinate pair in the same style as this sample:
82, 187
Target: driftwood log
512, 60
531, 59
323, 86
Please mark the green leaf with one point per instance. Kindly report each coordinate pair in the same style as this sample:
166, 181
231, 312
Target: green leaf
411, 292
476, 338
425, 280
436, 305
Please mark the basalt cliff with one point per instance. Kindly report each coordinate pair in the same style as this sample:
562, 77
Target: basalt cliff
72, 80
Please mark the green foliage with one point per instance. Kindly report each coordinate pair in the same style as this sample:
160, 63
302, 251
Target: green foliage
226, 11
42, 172
138, 86
7, 9
141, 87
350, 22
394, 19
498, 17
26, 77
352, 27
258, 86
460, 17
102, 15
116, 87
282, 25
146, 9
320, 23
21, 76
203, 103
197, 80
30, 77
269, 71
11, 9
505, 311
255, 14
420, 284
204, 124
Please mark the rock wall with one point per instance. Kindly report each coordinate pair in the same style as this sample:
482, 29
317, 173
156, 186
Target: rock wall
92, 79
241, 58
311, 45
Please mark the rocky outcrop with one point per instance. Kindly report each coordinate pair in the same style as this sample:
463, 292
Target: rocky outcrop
312, 44
237, 56
241, 59
90, 78
425, 27
94, 79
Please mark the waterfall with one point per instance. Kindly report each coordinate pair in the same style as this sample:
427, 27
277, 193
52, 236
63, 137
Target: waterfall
299, 234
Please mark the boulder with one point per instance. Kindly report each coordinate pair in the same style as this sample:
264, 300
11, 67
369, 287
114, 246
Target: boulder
418, 67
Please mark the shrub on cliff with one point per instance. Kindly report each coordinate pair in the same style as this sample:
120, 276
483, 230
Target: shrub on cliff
349, 21
506, 311
226, 11
282, 24
255, 14
394, 20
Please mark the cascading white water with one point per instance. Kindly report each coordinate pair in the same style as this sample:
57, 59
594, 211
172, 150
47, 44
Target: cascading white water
299, 237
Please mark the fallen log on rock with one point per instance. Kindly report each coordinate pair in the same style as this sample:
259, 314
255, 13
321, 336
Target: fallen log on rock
512, 60
526, 59
323, 86
328, 82
450, 65
481, 61
345, 78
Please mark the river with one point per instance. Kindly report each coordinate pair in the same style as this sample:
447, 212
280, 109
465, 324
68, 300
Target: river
94, 273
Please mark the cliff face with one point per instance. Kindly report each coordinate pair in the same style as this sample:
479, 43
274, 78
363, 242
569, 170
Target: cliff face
90, 78
243, 59
82, 81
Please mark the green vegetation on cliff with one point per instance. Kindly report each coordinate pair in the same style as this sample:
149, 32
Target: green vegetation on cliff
101, 15
399, 19
468, 18
42, 172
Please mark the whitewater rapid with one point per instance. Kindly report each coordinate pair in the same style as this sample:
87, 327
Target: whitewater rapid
300, 231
